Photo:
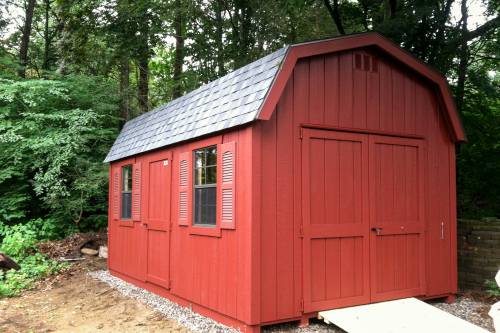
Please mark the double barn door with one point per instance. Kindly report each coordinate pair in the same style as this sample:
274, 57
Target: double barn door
363, 218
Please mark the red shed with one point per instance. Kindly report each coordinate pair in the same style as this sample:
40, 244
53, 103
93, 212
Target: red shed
320, 176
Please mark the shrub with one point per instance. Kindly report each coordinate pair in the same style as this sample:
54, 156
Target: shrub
492, 288
33, 268
19, 242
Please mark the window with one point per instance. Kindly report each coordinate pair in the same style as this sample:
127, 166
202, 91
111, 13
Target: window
126, 192
205, 191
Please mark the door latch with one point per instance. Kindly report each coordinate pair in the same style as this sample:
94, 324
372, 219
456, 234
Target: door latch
377, 230
442, 230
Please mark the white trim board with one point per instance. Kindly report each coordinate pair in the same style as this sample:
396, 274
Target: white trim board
407, 315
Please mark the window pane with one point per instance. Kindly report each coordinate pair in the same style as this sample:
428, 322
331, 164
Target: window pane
205, 178
126, 205
197, 208
127, 178
199, 177
211, 175
199, 158
211, 155
204, 210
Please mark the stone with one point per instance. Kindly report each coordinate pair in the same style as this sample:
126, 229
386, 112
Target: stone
103, 251
89, 252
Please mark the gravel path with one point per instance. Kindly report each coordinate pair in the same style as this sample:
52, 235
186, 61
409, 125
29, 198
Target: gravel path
469, 309
171, 310
465, 307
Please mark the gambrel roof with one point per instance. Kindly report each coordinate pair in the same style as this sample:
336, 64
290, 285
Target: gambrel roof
251, 93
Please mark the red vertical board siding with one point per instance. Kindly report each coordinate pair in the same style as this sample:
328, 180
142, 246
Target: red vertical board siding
331, 89
317, 90
398, 100
409, 107
373, 105
389, 98
268, 220
359, 94
346, 84
245, 273
386, 91
300, 116
213, 272
284, 204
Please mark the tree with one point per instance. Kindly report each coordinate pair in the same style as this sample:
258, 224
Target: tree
179, 49
25, 39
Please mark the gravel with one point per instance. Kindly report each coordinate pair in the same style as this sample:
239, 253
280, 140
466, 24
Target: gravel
465, 307
191, 320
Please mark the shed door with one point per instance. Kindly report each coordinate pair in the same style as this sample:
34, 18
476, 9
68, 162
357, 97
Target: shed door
335, 219
157, 221
396, 217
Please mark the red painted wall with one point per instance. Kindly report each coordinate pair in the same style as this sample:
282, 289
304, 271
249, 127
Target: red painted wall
254, 273
211, 271
329, 91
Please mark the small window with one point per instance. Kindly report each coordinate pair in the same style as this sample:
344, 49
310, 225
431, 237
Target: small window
205, 191
126, 192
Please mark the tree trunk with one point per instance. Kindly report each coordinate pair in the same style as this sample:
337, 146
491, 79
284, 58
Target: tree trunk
143, 84
241, 32
179, 50
124, 88
46, 37
143, 54
219, 31
335, 14
25, 39
463, 58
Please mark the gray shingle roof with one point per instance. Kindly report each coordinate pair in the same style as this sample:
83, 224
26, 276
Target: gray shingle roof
232, 100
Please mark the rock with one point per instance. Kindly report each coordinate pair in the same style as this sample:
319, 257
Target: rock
89, 252
103, 251
7, 263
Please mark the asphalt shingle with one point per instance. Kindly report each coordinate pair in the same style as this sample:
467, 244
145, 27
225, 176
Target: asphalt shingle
232, 100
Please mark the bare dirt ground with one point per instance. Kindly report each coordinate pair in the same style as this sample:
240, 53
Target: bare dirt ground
75, 302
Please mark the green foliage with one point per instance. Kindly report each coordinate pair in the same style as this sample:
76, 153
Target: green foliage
33, 268
479, 159
19, 242
54, 135
492, 288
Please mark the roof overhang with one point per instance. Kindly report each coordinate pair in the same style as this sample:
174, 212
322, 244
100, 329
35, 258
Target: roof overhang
338, 44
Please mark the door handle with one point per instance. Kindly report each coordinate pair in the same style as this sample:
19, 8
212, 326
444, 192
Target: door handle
145, 225
377, 230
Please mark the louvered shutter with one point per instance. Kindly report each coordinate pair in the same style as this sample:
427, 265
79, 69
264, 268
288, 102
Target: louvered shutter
115, 193
184, 183
227, 185
136, 191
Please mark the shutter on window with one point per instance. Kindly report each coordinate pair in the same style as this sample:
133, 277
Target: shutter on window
227, 186
136, 192
115, 194
184, 183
